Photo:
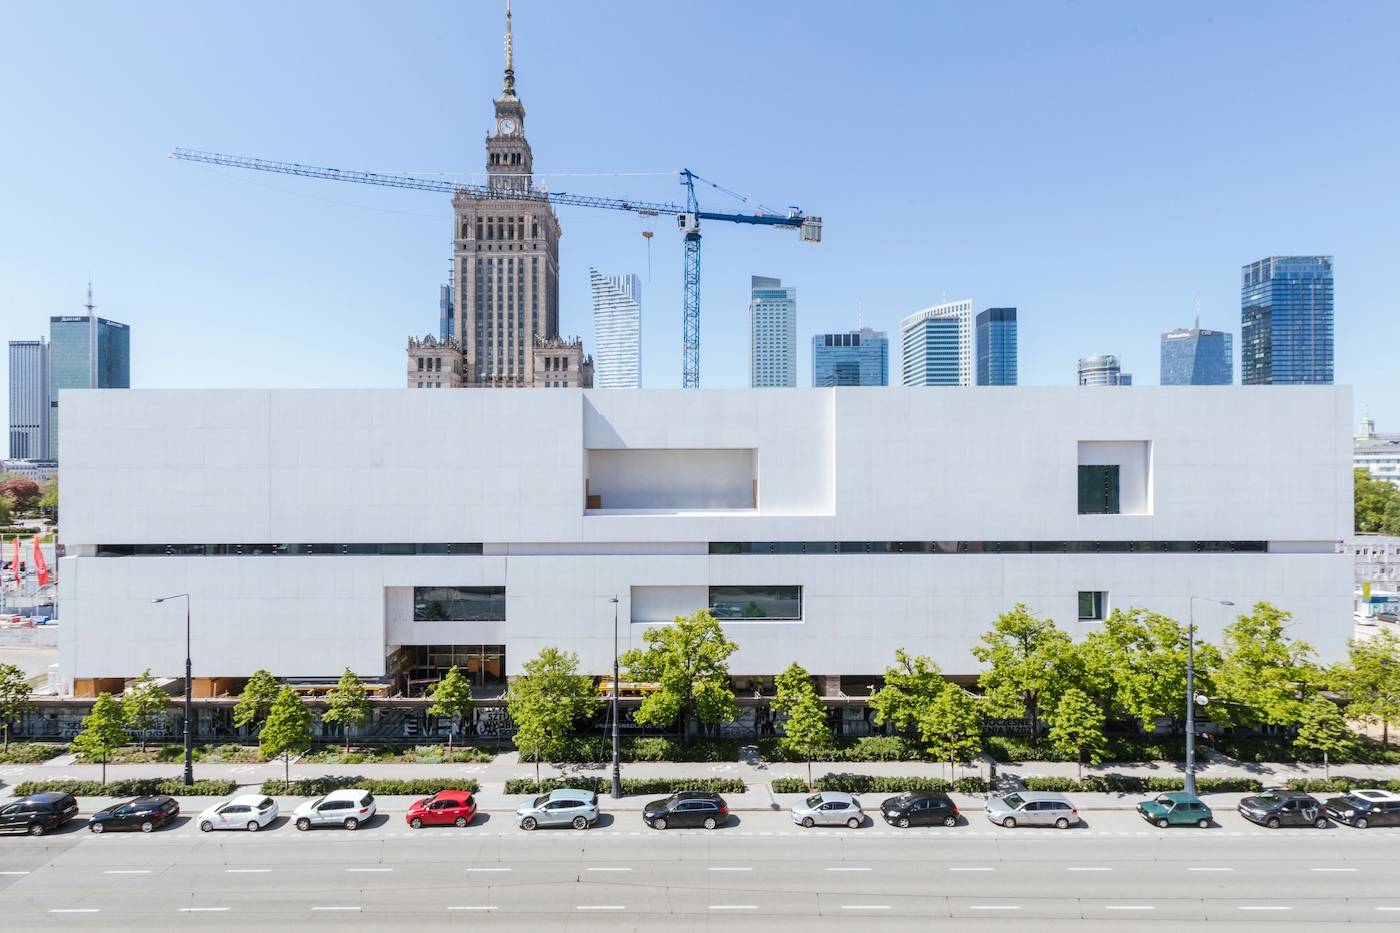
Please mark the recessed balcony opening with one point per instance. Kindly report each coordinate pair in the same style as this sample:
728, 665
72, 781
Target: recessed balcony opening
669, 481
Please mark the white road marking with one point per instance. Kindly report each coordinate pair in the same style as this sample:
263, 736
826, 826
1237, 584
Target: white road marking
971, 868
336, 908
1264, 907
609, 869
1088, 868
247, 871
73, 910
127, 871
1388, 908
369, 869
14, 872
1332, 869
734, 907
201, 910
601, 907
839, 868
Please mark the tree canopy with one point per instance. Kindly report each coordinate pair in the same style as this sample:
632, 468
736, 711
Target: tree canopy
15, 694
1321, 728
1370, 679
910, 688
1076, 728
805, 730
688, 660
1376, 503
348, 705
950, 727
145, 706
104, 731
287, 730
1029, 662
545, 701
255, 702
452, 700
1136, 665
1264, 675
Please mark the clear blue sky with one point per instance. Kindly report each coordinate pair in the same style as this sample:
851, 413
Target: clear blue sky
1097, 165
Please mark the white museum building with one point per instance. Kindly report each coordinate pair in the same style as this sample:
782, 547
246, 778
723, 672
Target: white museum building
398, 532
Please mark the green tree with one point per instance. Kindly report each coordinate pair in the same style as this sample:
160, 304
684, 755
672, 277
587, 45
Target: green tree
24, 493
1390, 518
104, 731
15, 693
1136, 665
348, 705
1321, 728
145, 706
688, 660
805, 730
1369, 679
7, 509
911, 686
48, 499
286, 731
1030, 662
1264, 675
452, 700
545, 700
1076, 727
951, 726
255, 702
1371, 498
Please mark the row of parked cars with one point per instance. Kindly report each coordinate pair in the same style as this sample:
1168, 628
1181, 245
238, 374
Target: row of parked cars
350, 808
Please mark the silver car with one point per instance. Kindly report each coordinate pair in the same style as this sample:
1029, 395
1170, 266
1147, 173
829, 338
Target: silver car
566, 807
1032, 808
829, 808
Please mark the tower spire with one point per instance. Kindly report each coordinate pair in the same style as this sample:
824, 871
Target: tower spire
509, 89
90, 306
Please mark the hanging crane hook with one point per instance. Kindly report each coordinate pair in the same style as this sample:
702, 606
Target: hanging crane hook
648, 234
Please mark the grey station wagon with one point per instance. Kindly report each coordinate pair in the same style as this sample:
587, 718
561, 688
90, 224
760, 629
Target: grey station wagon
1032, 808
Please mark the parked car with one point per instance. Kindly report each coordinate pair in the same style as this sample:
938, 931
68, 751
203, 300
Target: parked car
1032, 808
1176, 808
687, 808
919, 808
564, 807
1365, 807
249, 811
143, 813
38, 813
1275, 808
829, 808
346, 807
445, 808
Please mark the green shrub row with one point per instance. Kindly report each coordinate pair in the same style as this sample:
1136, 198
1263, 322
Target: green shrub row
32, 753
630, 786
419, 754
648, 748
866, 748
129, 787
313, 787
1127, 784
869, 784
1340, 784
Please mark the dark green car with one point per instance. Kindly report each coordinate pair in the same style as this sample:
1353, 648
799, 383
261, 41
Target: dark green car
1176, 808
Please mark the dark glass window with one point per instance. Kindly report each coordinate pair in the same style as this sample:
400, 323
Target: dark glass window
756, 602
1098, 489
1091, 605
459, 604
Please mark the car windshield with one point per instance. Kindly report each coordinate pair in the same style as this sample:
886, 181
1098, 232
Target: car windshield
1013, 800
1356, 800
1270, 797
814, 801
317, 802
1164, 801
540, 801
905, 797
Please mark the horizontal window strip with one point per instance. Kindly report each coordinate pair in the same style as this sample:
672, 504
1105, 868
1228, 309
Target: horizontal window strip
282, 550
988, 547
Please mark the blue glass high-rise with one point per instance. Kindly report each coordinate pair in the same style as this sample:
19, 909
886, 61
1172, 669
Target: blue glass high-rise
1195, 357
858, 358
1286, 321
85, 353
996, 347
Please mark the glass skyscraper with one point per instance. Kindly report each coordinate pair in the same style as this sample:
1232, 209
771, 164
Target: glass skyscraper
996, 347
617, 330
1195, 357
772, 333
858, 358
1286, 321
1102, 369
936, 345
85, 352
29, 399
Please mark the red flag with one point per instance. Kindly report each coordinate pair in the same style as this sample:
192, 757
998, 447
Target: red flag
39, 565
15, 566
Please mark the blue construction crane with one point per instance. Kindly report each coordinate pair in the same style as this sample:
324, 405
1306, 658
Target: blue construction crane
688, 220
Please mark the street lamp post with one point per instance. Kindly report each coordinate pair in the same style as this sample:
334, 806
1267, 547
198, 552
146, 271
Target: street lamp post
616, 739
1191, 688
188, 778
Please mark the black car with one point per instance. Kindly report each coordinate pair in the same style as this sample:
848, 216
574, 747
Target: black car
1362, 808
39, 813
687, 808
1275, 808
920, 808
143, 813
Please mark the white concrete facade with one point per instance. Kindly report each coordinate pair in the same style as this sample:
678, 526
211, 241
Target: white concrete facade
509, 470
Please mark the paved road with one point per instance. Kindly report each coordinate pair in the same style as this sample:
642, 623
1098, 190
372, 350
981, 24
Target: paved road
759, 872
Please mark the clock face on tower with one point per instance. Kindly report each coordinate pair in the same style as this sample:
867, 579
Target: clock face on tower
507, 126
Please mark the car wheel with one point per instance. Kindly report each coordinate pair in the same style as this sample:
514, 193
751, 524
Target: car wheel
253, 826
416, 823
659, 823
529, 823
352, 824
1320, 822
1009, 822
1162, 823
96, 827
1063, 823
580, 822
303, 824
808, 822
853, 823
904, 822
710, 822
1361, 822
36, 829
205, 826
950, 821
460, 822
147, 826
1204, 824
1272, 822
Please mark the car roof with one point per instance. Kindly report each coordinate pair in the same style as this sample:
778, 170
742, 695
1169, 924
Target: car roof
152, 799
451, 793
570, 793
353, 792
1029, 795
831, 796
46, 796
1373, 794
251, 800
1177, 796
695, 795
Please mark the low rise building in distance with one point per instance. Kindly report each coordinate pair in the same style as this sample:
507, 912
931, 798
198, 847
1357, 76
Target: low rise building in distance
560, 363
855, 358
996, 347
434, 363
1377, 454
1195, 357
1102, 369
40, 471
29, 399
936, 345
772, 333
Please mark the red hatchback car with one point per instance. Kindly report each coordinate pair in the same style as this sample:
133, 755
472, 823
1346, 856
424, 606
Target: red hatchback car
445, 808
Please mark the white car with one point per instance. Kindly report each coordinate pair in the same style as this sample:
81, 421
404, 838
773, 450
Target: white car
347, 807
250, 811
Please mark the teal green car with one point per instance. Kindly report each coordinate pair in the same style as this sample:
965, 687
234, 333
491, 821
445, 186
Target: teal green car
1176, 808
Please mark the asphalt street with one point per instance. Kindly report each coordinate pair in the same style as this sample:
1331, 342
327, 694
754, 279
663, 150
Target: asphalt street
758, 872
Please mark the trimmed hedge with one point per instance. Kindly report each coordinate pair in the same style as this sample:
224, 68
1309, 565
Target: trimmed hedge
870, 784
630, 786
866, 748
648, 748
129, 787
314, 787
1340, 785
1127, 784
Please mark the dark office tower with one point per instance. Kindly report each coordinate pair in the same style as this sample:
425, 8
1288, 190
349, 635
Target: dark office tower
996, 347
85, 352
1286, 321
29, 399
1195, 357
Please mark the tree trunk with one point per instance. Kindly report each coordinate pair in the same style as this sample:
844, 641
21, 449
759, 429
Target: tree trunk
287, 772
809, 772
1326, 766
450, 730
104, 769
1385, 733
537, 772
1079, 762
7, 736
